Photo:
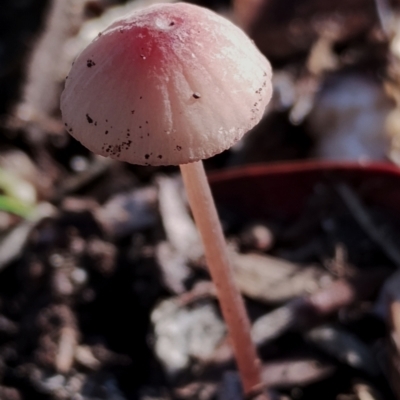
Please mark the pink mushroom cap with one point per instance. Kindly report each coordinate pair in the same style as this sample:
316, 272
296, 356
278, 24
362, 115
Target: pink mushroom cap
167, 85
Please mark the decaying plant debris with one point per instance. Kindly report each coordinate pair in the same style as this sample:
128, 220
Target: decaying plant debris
104, 290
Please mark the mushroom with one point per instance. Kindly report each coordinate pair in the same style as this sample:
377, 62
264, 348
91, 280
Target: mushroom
173, 84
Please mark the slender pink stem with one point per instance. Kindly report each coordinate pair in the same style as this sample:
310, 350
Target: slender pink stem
230, 299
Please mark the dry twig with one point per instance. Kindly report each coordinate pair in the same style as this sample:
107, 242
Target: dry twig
363, 218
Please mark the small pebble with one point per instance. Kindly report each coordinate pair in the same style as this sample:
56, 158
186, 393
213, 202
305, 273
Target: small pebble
257, 236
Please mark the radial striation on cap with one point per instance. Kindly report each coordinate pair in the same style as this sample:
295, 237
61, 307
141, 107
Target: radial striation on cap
168, 85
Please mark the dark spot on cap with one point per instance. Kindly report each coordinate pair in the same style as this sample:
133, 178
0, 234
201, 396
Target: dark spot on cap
179, 148
133, 111
141, 97
160, 156
172, 23
70, 129
146, 156
106, 132
89, 119
65, 124
196, 95
140, 126
147, 122
95, 124
90, 63
106, 120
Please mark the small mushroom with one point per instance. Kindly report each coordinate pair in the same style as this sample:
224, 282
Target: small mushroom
196, 84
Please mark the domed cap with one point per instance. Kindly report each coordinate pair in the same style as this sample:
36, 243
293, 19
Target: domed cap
168, 85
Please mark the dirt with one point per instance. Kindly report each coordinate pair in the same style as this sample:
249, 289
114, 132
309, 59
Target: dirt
100, 299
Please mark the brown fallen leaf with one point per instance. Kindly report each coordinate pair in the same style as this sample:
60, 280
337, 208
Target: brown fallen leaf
273, 280
295, 372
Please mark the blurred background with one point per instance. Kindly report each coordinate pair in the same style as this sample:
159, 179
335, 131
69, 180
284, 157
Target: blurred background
104, 291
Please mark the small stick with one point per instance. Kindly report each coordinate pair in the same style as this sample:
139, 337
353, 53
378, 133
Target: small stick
231, 302
366, 392
384, 13
394, 312
45, 67
66, 349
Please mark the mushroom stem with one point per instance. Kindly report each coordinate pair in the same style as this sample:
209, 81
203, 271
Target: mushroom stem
230, 299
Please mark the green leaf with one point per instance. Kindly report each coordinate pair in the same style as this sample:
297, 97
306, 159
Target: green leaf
14, 206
